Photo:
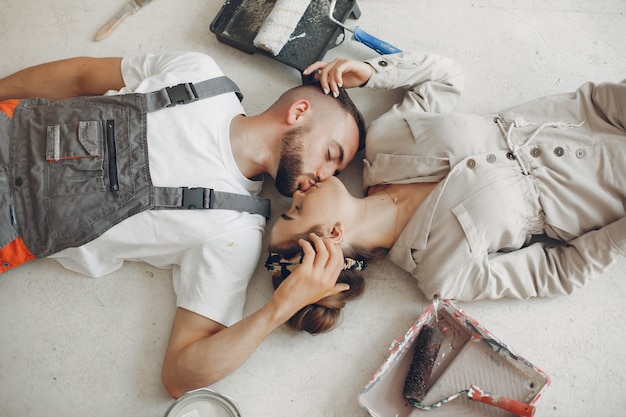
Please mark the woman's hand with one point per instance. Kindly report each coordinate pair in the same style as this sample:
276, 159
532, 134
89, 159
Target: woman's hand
339, 73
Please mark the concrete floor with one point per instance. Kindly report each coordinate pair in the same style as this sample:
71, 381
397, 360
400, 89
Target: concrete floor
71, 346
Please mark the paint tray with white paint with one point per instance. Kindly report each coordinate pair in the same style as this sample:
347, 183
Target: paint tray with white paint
238, 22
469, 355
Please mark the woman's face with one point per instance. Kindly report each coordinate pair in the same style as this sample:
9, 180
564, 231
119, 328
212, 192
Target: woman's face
320, 207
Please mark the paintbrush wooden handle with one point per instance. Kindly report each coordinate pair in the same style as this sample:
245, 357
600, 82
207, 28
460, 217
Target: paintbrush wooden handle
107, 28
512, 406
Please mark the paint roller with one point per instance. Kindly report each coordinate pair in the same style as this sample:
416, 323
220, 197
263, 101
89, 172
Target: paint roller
279, 24
416, 384
282, 20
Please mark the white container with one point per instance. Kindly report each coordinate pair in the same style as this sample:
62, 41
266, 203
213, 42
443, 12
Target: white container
203, 402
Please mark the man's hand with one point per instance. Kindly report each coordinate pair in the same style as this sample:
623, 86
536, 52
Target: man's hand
339, 73
314, 279
201, 351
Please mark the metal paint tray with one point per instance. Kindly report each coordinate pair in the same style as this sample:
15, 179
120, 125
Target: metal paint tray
239, 21
469, 355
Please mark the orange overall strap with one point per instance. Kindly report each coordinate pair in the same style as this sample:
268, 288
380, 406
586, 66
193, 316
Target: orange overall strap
15, 253
8, 106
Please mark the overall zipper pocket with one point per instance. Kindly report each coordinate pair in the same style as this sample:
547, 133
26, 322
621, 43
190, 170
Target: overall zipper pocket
114, 184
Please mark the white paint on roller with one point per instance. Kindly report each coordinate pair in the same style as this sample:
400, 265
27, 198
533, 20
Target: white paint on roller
279, 25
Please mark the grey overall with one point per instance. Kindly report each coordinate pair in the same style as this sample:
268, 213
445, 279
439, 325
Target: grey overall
71, 169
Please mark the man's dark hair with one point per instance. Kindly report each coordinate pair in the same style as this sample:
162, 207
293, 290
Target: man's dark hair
348, 105
343, 100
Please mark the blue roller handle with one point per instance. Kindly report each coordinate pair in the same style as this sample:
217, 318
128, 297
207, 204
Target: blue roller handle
373, 42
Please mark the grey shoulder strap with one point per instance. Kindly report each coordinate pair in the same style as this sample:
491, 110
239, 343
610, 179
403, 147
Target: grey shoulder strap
200, 198
189, 92
171, 198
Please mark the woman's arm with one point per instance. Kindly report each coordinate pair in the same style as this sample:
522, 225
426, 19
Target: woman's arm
433, 83
542, 269
67, 78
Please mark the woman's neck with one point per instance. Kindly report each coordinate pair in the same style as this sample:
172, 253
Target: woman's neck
388, 208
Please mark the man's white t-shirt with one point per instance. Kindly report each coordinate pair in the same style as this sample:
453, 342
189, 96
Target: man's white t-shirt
212, 253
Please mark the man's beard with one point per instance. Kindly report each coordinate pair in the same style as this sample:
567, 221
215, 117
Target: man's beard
290, 164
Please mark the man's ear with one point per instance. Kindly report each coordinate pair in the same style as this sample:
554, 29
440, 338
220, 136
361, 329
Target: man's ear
336, 233
297, 110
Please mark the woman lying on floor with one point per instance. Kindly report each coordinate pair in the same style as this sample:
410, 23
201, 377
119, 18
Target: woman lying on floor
458, 200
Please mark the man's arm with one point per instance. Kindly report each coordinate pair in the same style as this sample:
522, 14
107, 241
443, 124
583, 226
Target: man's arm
67, 78
201, 351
